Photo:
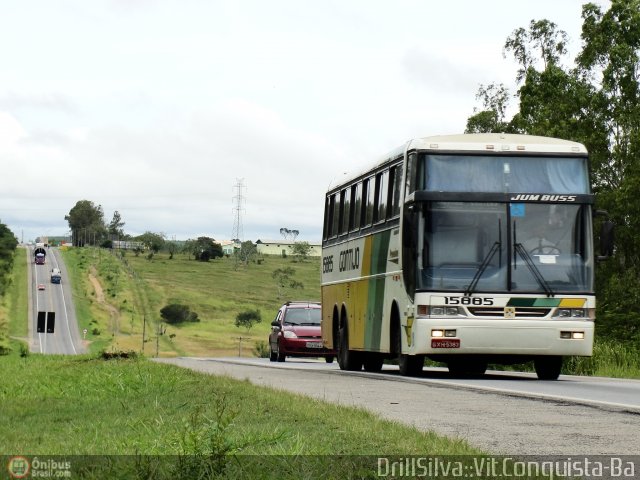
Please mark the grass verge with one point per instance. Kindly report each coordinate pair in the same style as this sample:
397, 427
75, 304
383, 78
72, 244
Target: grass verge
87, 405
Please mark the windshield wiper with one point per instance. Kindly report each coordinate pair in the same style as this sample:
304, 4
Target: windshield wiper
485, 262
518, 248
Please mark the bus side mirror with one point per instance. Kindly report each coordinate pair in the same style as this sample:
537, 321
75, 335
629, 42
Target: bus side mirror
606, 235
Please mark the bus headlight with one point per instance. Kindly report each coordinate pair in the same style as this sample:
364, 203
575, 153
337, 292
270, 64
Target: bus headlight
440, 311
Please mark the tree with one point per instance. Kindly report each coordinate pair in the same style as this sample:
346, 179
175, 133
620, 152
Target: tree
8, 244
248, 318
248, 250
86, 221
205, 248
301, 250
286, 233
596, 103
152, 241
177, 313
172, 248
115, 226
283, 277
491, 118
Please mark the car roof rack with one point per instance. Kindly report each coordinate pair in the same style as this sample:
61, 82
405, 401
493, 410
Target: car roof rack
301, 302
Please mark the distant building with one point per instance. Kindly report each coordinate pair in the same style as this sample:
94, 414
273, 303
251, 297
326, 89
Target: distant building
127, 245
228, 246
277, 247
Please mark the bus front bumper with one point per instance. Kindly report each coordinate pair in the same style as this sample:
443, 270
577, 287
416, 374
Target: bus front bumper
433, 336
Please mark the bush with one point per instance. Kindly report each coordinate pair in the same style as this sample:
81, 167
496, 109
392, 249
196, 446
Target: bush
176, 313
261, 349
248, 318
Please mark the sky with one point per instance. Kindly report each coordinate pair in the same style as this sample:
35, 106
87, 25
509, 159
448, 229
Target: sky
159, 109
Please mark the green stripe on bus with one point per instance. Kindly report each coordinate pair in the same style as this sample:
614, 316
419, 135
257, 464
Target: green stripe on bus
379, 251
375, 302
533, 302
375, 295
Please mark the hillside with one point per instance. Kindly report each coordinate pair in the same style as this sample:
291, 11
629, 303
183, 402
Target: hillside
114, 293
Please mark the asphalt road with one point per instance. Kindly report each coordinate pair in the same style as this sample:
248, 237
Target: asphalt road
512, 414
57, 298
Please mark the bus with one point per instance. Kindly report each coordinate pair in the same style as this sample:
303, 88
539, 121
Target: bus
469, 250
39, 254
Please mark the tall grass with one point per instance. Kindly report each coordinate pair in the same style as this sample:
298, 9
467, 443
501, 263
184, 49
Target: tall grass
14, 305
610, 359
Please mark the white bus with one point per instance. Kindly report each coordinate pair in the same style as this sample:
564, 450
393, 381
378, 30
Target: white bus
466, 249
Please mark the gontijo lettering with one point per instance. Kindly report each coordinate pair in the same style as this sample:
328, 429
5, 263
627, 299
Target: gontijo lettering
349, 259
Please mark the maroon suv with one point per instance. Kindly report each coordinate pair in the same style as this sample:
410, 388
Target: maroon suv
296, 333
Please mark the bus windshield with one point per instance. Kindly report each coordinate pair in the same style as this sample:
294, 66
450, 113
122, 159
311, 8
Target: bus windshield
505, 247
505, 174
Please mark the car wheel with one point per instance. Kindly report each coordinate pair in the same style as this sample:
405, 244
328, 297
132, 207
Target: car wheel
328, 359
280, 356
273, 356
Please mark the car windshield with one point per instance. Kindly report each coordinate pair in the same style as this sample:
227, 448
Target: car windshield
302, 316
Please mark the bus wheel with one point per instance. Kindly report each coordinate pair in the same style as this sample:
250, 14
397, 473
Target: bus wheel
373, 362
410, 365
548, 367
347, 359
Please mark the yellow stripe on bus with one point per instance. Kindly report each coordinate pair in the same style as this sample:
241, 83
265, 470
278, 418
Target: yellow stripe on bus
572, 302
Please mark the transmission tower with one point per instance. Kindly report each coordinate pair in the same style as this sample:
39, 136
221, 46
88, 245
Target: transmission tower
238, 203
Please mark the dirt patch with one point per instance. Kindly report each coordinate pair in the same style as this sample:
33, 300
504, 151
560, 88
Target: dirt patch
114, 313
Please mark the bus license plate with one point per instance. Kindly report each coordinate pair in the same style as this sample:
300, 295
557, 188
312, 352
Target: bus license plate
314, 344
445, 343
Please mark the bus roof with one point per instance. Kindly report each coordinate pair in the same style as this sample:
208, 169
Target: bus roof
494, 142
473, 142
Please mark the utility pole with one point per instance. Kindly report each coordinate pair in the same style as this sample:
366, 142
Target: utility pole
237, 236
238, 202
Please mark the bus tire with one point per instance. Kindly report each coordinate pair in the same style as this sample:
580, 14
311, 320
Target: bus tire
372, 362
347, 359
548, 367
410, 365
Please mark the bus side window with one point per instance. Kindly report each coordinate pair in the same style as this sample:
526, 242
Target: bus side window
393, 201
335, 200
345, 204
328, 212
411, 182
368, 200
380, 201
356, 205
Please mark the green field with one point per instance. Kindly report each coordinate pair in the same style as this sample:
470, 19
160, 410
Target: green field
135, 288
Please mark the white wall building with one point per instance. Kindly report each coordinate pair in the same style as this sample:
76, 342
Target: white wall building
276, 247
